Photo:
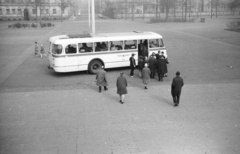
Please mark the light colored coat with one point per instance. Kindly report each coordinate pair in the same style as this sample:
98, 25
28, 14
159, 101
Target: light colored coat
146, 75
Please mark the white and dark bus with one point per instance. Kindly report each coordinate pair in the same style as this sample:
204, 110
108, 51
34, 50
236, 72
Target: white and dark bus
69, 53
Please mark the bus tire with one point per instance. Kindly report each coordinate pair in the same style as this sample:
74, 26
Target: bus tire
94, 66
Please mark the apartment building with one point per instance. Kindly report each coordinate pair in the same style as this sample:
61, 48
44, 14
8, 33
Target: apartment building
32, 9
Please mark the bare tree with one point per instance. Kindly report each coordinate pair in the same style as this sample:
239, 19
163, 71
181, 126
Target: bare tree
233, 5
38, 3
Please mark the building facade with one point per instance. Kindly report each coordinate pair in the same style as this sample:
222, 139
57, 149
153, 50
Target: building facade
31, 9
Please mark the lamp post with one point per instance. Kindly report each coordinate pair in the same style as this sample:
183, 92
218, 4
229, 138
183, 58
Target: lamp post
93, 16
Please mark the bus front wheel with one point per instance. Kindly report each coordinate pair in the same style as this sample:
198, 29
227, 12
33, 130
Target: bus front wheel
94, 66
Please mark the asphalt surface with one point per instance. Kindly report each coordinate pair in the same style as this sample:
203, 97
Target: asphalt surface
46, 112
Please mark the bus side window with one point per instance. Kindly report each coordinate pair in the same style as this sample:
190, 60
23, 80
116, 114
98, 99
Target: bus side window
117, 45
85, 47
104, 46
130, 44
97, 46
80, 49
71, 48
100, 46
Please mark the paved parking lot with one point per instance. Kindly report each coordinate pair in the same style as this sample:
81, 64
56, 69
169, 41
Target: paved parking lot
45, 112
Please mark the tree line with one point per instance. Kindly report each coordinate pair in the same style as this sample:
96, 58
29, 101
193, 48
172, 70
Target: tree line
187, 7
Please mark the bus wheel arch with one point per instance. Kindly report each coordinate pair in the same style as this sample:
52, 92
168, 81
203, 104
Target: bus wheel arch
94, 65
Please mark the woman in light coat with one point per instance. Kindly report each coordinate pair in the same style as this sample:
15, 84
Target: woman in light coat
146, 76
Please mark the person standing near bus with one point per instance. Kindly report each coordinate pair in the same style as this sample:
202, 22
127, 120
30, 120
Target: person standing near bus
160, 67
176, 88
101, 79
121, 87
145, 48
132, 64
165, 64
146, 76
152, 65
140, 65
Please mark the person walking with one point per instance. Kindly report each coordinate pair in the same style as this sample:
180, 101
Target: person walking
152, 65
101, 79
42, 51
36, 50
146, 76
121, 87
132, 64
176, 88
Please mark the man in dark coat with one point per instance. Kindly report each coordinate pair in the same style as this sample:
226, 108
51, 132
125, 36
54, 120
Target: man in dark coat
160, 67
176, 88
165, 64
140, 48
152, 65
121, 87
145, 48
132, 64
101, 79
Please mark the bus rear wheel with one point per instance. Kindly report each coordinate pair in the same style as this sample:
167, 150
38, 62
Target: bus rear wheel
94, 66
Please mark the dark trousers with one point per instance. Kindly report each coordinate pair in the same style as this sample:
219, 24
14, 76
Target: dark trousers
132, 71
176, 97
160, 77
100, 88
152, 75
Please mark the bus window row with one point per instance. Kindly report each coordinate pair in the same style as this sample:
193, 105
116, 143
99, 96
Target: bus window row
105, 46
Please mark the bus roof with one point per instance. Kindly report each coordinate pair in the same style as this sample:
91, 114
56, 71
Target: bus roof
77, 38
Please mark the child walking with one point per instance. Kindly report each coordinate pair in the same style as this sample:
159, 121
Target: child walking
42, 51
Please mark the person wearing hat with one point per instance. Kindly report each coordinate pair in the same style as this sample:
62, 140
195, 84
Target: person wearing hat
146, 76
101, 79
152, 65
160, 67
165, 64
176, 88
140, 65
132, 64
121, 87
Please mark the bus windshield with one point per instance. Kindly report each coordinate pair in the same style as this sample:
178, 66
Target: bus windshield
56, 49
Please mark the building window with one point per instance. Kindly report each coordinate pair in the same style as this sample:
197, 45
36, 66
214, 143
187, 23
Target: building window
19, 11
54, 11
8, 11
13, 11
34, 11
47, 11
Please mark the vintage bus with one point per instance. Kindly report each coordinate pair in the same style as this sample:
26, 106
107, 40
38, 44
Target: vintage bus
81, 52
